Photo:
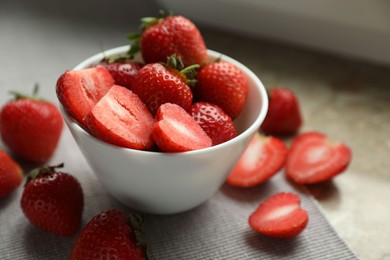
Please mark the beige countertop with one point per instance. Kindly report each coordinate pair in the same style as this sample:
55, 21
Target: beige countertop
350, 101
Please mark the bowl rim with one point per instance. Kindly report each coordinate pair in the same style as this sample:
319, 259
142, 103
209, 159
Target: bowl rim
255, 125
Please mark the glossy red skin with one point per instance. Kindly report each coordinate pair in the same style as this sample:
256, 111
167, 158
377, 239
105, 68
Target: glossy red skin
79, 90
332, 158
224, 85
107, 236
270, 153
284, 115
123, 72
31, 128
287, 225
11, 174
54, 202
215, 122
156, 85
173, 35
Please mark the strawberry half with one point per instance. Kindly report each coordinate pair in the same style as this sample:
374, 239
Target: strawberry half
215, 122
280, 216
79, 90
122, 119
11, 174
123, 71
263, 158
313, 158
176, 131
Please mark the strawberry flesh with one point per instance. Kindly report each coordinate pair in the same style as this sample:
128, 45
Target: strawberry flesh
176, 131
263, 158
279, 216
313, 158
122, 119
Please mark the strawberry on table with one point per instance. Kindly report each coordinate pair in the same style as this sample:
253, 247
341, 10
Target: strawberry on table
176, 131
79, 90
31, 127
164, 36
11, 174
280, 216
157, 84
122, 119
53, 200
263, 158
283, 115
110, 235
224, 85
215, 122
313, 158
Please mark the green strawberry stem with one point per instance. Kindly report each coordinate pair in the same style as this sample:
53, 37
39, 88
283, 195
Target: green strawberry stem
42, 170
18, 95
136, 223
189, 74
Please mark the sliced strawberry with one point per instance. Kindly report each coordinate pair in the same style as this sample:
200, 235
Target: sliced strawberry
263, 158
280, 216
176, 131
215, 122
313, 158
79, 90
122, 119
123, 72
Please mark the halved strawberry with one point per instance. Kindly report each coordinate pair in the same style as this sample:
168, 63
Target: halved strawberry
215, 122
122, 119
79, 90
176, 131
263, 158
280, 216
123, 71
313, 158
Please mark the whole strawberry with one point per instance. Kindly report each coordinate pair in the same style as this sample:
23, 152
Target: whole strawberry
53, 201
31, 127
157, 84
109, 235
224, 85
284, 115
215, 122
11, 174
164, 36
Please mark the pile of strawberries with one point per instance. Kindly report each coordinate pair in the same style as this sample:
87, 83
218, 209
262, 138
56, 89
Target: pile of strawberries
176, 101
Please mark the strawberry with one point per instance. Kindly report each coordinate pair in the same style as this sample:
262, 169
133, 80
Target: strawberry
223, 84
157, 84
215, 122
279, 216
122, 119
79, 90
53, 201
11, 174
262, 159
176, 131
283, 115
313, 158
122, 71
31, 127
164, 36
110, 235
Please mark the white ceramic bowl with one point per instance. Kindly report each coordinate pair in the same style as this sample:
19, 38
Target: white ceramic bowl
166, 183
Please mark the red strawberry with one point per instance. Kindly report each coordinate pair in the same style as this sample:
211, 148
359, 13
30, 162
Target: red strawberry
157, 84
122, 71
109, 235
11, 174
163, 37
53, 201
280, 216
313, 158
263, 158
284, 115
176, 131
31, 127
121, 118
223, 84
215, 122
79, 90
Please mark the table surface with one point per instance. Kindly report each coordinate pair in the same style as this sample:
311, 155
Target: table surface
347, 99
